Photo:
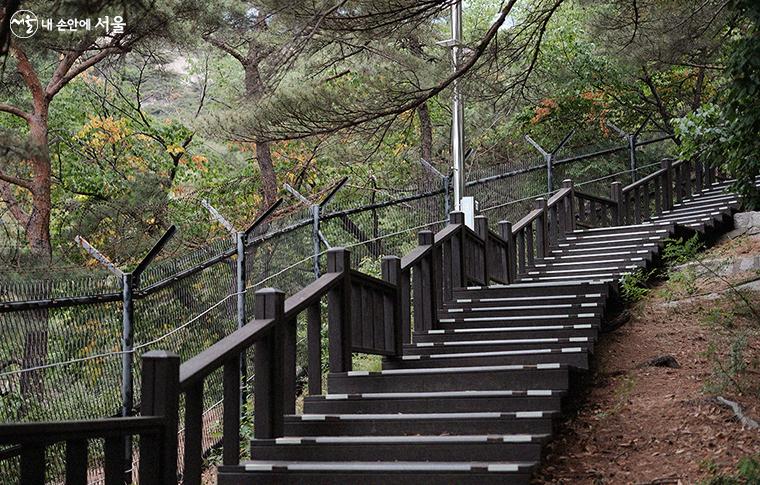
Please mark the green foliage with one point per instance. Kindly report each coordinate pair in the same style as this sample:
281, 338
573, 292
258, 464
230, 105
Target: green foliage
727, 136
680, 251
633, 286
747, 473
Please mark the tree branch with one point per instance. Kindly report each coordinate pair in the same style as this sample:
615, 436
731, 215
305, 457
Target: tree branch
16, 181
10, 200
53, 88
29, 75
7, 108
225, 47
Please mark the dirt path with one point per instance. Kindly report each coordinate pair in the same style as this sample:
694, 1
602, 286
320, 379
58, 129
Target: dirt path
662, 425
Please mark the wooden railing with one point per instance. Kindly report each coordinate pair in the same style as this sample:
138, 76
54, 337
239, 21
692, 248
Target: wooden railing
596, 211
542, 227
157, 429
364, 314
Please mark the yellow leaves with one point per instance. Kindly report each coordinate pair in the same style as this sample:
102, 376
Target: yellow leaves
175, 149
100, 131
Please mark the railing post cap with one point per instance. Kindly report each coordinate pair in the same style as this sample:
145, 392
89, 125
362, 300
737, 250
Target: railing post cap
338, 259
269, 291
160, 354
456, 217
666, 162
425, 237
540, 203
505, 222
567, 183
617, 183
391, 257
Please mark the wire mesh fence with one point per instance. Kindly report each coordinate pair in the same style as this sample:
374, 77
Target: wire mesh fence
61, 352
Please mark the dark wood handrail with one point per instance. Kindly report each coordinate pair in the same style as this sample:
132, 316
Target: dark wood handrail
199, 367
370, 280
417, 254
598, 198
311, 294
532, 216
561, 194
644, 180
55, 431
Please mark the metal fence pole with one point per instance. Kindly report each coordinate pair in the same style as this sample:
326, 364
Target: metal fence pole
446, 195
315, 242
127, 363
240, 240
632, 157
549, 171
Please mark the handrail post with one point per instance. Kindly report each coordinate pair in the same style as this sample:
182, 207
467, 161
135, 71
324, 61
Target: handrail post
160, 397
481, 228
542, 229
505, 230
339, 311
569, 212
667, 189
427, 285
269, 303
391, 268
458, 271
616, 194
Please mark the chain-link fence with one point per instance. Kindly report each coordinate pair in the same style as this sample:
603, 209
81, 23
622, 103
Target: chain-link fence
62, 353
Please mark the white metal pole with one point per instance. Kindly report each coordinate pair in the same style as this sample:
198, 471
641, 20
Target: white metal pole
457, 108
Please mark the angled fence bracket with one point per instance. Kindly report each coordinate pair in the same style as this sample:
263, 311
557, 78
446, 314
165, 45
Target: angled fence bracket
549, 156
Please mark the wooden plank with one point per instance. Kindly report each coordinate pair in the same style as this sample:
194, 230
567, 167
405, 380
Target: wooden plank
193, 456
231, 416
33, 465
314, 347
76, 462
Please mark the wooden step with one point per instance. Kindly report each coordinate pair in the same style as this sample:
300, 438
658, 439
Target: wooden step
455, 345
491, 447
515, 422
572, 356
376, 473
548, 376
557, 330
467, 401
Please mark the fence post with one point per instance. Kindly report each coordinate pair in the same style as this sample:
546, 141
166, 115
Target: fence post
339, 311
616, 194
505, 230
240, 278
315, 242
632, 140
391, 268
127, 361
569, 214
667, 189
447, 194
542, 229
269, 367
481, 228
549, 157
160, 397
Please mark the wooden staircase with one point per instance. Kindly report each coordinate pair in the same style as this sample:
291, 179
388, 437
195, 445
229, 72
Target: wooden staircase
482, 335
473, 400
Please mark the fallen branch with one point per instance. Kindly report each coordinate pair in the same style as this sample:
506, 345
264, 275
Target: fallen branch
746, 421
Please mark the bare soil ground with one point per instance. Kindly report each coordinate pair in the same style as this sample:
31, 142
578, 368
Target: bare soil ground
656, 425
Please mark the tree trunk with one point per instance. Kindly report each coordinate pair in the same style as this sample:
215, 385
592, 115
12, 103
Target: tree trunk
38, 236
254, 90
426, 132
